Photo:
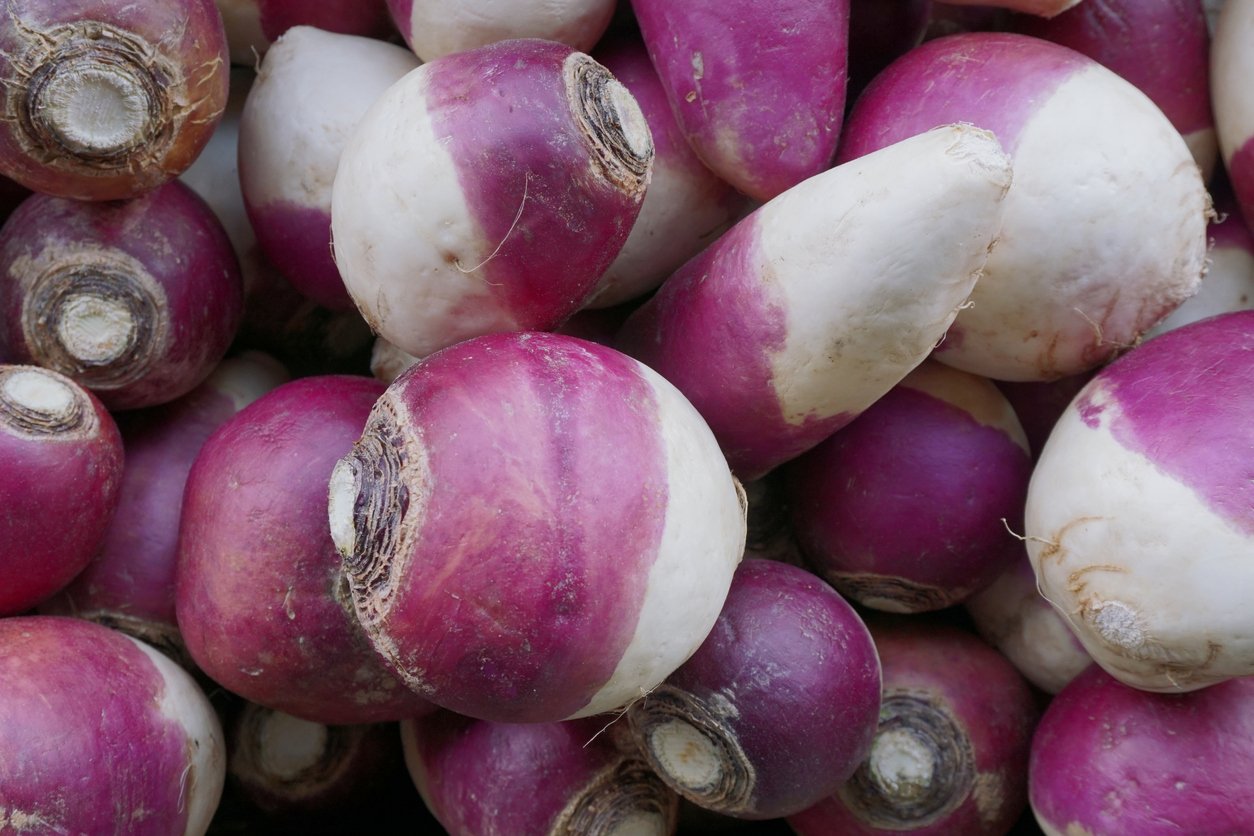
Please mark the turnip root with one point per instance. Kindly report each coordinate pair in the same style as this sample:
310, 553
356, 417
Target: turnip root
102, 734
137, 300
1231, 68
1109, 759
62, 457
106, 99
1161, 46
903, 509
1102, 239
259, 591
541, 779
1138, 517
808, 310
777, 707
434, 28
488, 191
311, 91
129, 583
252, 26
535, 528
951, 752
758, 88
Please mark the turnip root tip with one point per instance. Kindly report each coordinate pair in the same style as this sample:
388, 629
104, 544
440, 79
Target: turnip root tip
36, 403
612, 121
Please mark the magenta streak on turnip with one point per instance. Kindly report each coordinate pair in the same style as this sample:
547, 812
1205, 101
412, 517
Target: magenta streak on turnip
113, 737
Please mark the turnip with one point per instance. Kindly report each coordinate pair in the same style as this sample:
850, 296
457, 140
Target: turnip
102, 734
777, 707
137, 300
686, 206
434, 28
1011, 615
903, 509
1161, 46
535, 527
1043, 8
758, 88
311, 91
129, 583
1138, 516
1109, 759
105, 99
951, 752
252, 26
1102, 238
259, 591
541, 779
62, 456
488, 191
1039, 403
1232, 66
811, 308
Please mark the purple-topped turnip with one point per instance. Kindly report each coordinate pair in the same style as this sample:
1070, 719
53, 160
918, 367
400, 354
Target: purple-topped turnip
1043, 8
252, 26
903, 509
260, 596
106, 99
434, 28
102, 734
535, 527
1138, 517
311, 91
1102, 238
777, 707
62, 456
1231, 68
812, 307
137, 300
758, 88
541, 779
488, 191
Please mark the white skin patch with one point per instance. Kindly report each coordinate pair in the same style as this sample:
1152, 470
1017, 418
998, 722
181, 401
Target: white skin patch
1232, 67
39, 392
686, 755
289, 745
441, 27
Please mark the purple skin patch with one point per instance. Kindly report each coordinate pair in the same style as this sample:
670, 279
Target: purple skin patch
297, 241
725, 88
914, 488
710, 331
1038, 404
1161, 46
552, 224
258, 574
368, 18
996, 81
799, 666
546, 507
1109, 758
79, 704
1241, 172
1182, 401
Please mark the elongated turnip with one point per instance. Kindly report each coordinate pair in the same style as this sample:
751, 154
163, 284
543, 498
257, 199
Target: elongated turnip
758, 88
1102, 239
433, 28
252, 26
777, 707
106, 99
1232, 66
902, 510
1109, 759
102, 734
1138, 516
311, 91
535, 527
542, 779
812, 307
137, 300
259, 591
62, 456
488, 191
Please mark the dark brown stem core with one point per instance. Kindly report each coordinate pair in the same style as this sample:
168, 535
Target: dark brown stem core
628, 793
612, 122
921, 766
37, 402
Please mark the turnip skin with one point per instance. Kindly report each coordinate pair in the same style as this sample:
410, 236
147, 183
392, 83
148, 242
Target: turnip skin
809, 309
535, 527
434, 28
1064, 289
1138, 517
1041, 8
252, 26
1232, 66
1108, 759
110, 735
446, 230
